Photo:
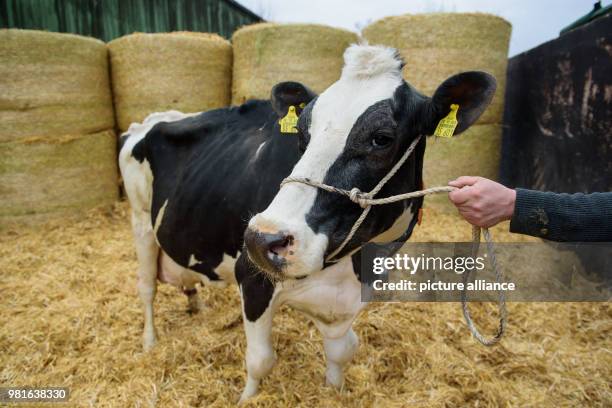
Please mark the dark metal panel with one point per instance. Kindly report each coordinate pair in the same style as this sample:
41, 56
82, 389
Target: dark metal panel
558, 113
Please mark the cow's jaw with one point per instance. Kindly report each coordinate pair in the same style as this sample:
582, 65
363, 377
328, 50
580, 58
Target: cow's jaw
371, 74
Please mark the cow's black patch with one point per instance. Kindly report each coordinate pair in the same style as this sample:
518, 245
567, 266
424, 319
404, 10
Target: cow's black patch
211, 173
138, 151
303, 126
394, 123
257, 290
214, 170
379, 137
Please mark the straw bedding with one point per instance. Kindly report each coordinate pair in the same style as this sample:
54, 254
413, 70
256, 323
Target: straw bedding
476, 152
188, 72
436, 46
266, 53
71, 317
52, 84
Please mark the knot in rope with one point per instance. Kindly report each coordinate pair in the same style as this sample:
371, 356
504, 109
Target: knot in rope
367, 200
358, 197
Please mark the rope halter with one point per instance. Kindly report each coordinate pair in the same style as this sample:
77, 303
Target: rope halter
367, 200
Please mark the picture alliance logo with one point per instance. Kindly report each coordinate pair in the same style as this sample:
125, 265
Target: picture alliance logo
412, 264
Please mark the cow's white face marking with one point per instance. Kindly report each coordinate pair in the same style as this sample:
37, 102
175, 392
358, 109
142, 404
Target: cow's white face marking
370, 74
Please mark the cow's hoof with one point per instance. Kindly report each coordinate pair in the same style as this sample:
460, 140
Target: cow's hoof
193, 301
148, 342
334, 376
250, 389
194, 304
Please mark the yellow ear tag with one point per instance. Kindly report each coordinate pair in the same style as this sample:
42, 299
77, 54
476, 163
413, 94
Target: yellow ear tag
447, 125
289, 122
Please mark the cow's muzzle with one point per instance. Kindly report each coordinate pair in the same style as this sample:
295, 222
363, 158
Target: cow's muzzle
268, 251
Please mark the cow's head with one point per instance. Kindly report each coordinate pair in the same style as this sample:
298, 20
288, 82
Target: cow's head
351, 136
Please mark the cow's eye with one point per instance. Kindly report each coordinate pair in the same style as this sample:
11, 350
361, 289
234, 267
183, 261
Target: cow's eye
381, 140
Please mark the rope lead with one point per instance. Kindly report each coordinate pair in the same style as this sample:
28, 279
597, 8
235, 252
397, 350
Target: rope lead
367, 200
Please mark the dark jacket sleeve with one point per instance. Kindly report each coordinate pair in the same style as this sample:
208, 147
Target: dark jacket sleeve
563, 217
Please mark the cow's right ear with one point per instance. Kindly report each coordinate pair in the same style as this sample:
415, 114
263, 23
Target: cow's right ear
285, 94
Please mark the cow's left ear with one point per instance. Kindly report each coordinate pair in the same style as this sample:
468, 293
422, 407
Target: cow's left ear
472, 91
285, 94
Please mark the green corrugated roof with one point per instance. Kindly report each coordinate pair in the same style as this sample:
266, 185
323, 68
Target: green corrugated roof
109, 19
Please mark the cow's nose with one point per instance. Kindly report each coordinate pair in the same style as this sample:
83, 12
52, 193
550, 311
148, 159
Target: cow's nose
268, 251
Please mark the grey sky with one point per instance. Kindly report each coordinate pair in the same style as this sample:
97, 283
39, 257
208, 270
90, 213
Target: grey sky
533, 21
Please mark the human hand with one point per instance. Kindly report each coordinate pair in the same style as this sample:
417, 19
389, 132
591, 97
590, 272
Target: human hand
482, 202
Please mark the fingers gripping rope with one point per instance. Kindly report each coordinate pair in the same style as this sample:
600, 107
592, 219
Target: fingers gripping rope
367, 200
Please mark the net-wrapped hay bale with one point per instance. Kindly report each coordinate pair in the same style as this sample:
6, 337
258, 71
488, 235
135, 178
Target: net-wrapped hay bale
45, 175
436, 46
56, 152
188, 72
266, 54
475, 152
52, 84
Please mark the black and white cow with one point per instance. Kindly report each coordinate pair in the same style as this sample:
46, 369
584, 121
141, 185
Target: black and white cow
199, 183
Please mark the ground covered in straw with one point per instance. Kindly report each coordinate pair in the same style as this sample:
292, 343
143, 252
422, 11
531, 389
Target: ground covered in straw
71, 317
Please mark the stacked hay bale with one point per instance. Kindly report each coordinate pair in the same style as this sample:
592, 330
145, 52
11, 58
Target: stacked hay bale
265, 54
188, 72
436, 46
57, 145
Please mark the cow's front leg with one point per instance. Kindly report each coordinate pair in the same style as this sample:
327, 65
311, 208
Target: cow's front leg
339, 352
260, 356
258, 295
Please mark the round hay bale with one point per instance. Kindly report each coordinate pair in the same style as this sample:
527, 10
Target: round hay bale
476, 152
44, 175
436, 46
266, 54
188, 72
52, 84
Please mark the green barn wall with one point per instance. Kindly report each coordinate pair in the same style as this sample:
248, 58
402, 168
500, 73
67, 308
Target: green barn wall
109, 19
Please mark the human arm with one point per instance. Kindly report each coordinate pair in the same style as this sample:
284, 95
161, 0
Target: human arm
557, 217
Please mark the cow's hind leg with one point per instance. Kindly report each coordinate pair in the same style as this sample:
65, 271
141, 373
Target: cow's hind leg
147, 251
339, 351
